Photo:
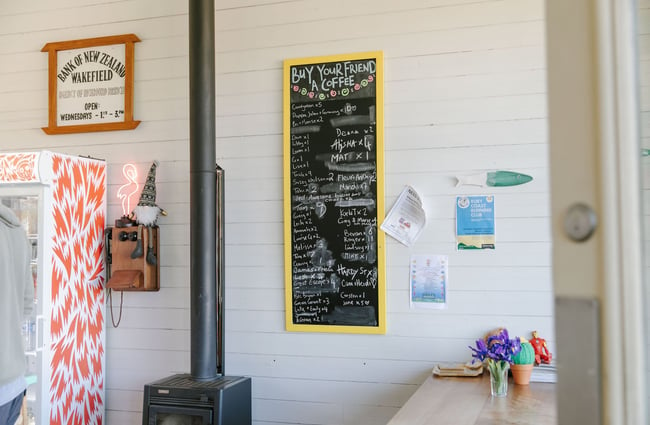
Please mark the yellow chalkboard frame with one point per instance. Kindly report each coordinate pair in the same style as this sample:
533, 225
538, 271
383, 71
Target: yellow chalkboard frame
288, 248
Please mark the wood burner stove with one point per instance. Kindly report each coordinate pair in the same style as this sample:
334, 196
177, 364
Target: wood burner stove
181, 400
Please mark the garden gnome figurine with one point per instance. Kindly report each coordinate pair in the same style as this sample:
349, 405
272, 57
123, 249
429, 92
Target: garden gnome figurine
146, 214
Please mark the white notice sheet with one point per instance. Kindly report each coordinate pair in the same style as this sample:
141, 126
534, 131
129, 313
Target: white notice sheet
406, 219
429, 276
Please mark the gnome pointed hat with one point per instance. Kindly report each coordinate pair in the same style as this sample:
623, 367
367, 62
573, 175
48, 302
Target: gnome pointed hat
146, 212
148, 196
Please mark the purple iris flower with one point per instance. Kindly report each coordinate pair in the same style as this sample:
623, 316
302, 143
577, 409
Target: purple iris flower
480, 351
498, 347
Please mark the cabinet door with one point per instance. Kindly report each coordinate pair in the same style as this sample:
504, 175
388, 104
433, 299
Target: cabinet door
24, 201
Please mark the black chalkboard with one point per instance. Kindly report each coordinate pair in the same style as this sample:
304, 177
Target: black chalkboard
333, 173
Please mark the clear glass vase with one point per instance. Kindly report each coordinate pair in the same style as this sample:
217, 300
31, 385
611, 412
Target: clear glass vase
498, 377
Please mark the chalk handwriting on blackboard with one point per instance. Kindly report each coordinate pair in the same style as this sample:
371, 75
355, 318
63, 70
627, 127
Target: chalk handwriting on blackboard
332, 164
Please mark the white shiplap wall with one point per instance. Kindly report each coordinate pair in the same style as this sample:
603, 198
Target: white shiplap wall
464, 92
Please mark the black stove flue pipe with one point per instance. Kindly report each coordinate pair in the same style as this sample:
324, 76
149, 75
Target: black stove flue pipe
203, 288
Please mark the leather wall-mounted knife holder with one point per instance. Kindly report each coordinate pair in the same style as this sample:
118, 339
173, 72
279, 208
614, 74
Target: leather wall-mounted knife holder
130, 268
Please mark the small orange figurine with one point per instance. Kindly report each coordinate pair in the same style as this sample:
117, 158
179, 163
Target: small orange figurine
542, 355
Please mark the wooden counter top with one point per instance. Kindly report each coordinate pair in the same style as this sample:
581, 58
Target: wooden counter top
467, 401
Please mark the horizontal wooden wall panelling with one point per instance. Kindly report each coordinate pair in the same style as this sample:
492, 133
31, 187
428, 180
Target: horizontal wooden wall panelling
249, 211
507, 253
506, 278
332, 368
405, 68
97, 14
427, 113
350, 22
360, 351
507, 230
413, 324
154, 317
492, 278
129, 400
173, 297
461, 302
326, 391
438, 191
513, 204
19, 8
397, 45
536, 254
282, 411
149, 339
117, 416
275, 13
405, 91
255, 276
465, 93
134, 377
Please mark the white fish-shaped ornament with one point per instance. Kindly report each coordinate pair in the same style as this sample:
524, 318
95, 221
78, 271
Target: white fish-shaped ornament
494, 179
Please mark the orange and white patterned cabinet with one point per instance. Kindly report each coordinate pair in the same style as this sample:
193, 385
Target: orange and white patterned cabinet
61, 202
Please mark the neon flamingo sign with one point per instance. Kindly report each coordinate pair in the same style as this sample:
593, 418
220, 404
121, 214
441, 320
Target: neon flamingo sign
127, 190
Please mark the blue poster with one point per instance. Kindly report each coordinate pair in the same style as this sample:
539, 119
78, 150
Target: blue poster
474, 222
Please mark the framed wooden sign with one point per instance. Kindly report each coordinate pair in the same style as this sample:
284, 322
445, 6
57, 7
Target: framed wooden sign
334, 194
90, 84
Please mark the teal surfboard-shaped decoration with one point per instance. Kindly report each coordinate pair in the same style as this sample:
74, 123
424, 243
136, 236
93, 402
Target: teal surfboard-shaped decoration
494, 179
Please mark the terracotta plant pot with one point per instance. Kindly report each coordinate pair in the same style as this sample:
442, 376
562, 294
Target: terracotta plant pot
521, 373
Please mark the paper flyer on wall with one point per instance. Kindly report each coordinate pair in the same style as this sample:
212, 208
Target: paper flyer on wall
406, 218
429, 276
475, 222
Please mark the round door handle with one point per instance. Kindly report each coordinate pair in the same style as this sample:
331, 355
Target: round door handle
580, 222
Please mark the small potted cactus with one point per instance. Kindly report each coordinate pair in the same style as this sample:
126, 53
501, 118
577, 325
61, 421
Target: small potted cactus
523, 362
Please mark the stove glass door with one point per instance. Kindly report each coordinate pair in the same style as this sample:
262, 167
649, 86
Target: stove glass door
174, 415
